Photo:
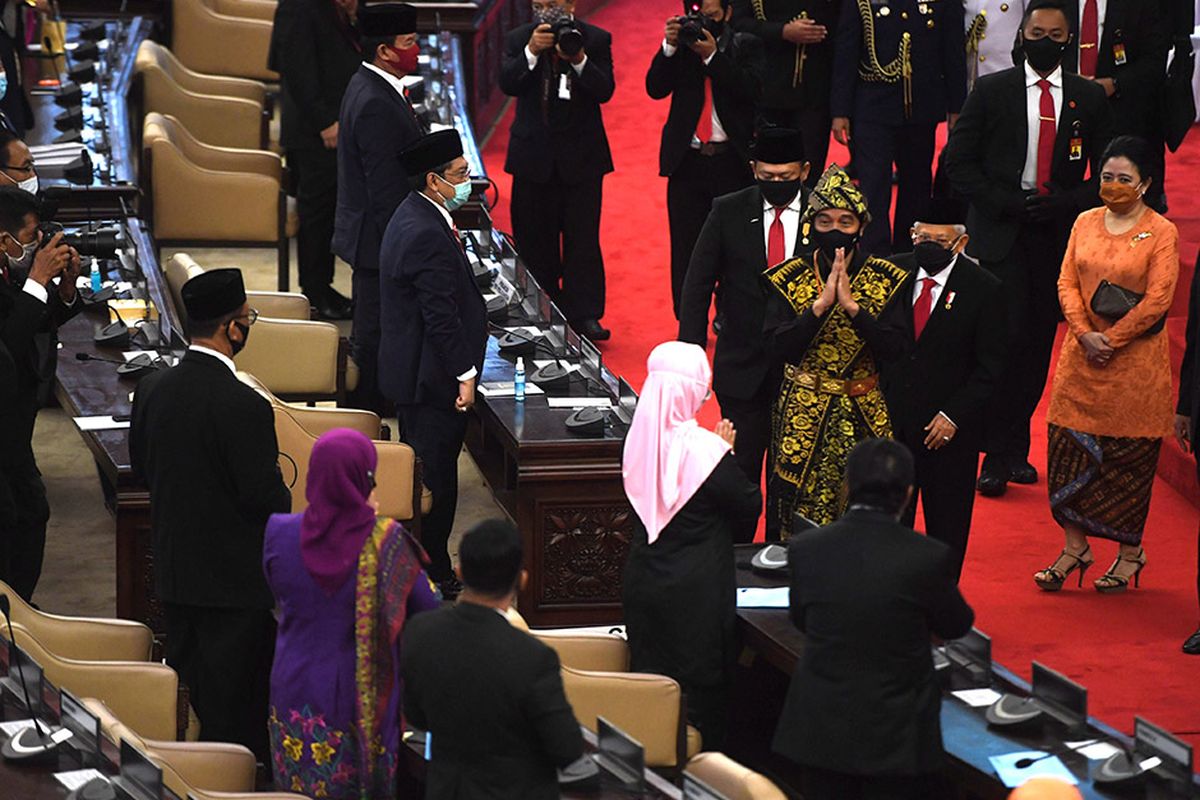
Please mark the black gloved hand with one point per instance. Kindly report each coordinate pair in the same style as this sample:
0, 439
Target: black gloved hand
1049, 207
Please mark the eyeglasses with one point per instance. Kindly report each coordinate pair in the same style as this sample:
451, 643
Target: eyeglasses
251, 316
28, 169
919, 238
371, 478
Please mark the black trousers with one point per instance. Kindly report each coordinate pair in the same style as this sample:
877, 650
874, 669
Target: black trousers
315, 174
945, 483
1030, 287
24, 512
364, 342
691, 189
910, 148
436, 435
814, 125
820, 784
557, 230
224, 656
752, 420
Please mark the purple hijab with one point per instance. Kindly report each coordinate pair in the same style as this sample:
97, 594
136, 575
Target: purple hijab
338, 519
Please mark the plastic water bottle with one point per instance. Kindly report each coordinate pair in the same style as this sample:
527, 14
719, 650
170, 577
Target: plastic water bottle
95, 276
519, 380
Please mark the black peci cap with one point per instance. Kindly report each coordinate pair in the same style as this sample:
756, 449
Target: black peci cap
777, 146
381, 20
213, 294
431, 151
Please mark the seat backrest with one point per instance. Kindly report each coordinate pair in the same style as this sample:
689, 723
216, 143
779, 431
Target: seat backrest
83, 638
293, 357
160, 127
731, 779
178, 270
222, 120
597, 652
152, 53
144, 695
221, 44
252, 9
647, 707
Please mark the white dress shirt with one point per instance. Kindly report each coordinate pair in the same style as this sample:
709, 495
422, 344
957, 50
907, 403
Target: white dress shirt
36, 290
718, 130
472, 372
939, 282
532, 60
208, 351
396, 83
1033, 105
791, 225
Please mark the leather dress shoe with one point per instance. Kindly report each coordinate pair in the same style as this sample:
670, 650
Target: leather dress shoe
1192, 645
331, 305
991, 485
1025, 473
593, 330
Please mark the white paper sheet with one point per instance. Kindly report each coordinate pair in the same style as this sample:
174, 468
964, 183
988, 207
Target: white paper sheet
505, 389
77, 777
579, 402
11, 729
1094, 749
977, 698
101, 423
753, 597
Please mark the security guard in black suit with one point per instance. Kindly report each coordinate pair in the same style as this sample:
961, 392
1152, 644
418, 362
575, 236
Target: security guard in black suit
376, 121
899, 70
204, 442
703, 157
797, 37
314, 48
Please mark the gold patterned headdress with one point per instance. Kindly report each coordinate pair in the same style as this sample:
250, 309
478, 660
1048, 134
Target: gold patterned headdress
834, 190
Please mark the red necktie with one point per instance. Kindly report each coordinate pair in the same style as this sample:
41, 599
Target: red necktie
775, 246
704, 129
1089, 40
1047, 131
923, 307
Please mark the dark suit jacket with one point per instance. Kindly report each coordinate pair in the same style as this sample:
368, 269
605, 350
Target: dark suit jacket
376, 123
1141, 28
939, 65
1189, 372
433, 317
204, 442
28, 355
868, 593
492, 698
956, 364
985, 155
731, 253
783, 85
550, 134
15, 102
315, 55
736, 70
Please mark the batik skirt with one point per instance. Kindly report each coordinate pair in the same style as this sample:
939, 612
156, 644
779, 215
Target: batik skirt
1101, 484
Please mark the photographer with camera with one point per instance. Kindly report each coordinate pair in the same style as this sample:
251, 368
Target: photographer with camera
705, 150
32, 307
560, 70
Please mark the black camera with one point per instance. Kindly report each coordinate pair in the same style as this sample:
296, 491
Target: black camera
691, 27
100, 243
567, 36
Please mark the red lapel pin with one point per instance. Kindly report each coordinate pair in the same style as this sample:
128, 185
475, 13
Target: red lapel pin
1071, 104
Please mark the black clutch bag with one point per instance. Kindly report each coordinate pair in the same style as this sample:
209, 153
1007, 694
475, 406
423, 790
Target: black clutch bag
1113, 302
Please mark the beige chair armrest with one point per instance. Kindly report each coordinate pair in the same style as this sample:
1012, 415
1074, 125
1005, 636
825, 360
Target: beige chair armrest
179, 269
732, 779
394, 477
213, 119
83, 638
220, 44
215, 766
647, 707
280, 305
587, 651
292, 357
317, 420
254, 9
222, 159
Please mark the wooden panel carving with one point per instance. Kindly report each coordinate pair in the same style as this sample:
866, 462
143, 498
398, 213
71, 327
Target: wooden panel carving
583, 553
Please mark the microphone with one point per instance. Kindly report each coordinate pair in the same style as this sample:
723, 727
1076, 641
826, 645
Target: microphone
24, 746
551, 376
133, 368
1026, 763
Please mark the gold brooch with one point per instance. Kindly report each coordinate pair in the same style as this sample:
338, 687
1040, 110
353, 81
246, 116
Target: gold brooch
1138, 237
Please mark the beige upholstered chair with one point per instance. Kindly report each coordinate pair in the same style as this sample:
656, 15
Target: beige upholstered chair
83, 638
253, 9
198, 194
144, 694
221, 111
208, 37
596, 652
181, 267
731, 779
647, 707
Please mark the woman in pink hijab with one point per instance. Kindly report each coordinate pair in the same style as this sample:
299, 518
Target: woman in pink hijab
691, 502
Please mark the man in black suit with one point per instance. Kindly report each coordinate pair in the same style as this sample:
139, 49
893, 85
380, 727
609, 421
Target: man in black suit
705, 146
558, 156
745, 233
1122, 45
862, 714
941, 344
376, 122
797, 36
31, 309
489, 695
1187, 412
204, 442
898, 70
434, 329
1020, 154
314, 48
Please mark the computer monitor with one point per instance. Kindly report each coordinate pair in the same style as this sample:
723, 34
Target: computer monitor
1061, 697
621, 756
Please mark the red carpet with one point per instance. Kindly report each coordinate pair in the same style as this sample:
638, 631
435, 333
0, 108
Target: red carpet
1124, 648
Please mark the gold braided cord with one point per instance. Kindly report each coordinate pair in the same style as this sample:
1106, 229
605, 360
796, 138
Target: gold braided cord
898, 69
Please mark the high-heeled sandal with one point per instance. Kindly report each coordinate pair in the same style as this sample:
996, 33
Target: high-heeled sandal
1057, 576
1112, 583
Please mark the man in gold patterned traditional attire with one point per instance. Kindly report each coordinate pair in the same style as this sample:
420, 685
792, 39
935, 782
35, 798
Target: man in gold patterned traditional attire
830, 398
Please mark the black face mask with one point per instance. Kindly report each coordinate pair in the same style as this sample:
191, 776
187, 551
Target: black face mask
1044, 54
829, 242
779, 193
714, 26
237, 347
932, 257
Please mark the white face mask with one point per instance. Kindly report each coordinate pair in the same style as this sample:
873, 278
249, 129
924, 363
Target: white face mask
30, 184
25, 260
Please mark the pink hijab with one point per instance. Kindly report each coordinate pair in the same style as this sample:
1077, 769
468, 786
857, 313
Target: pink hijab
667, 455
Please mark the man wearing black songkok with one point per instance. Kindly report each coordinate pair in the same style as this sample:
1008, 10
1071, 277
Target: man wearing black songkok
204, 442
